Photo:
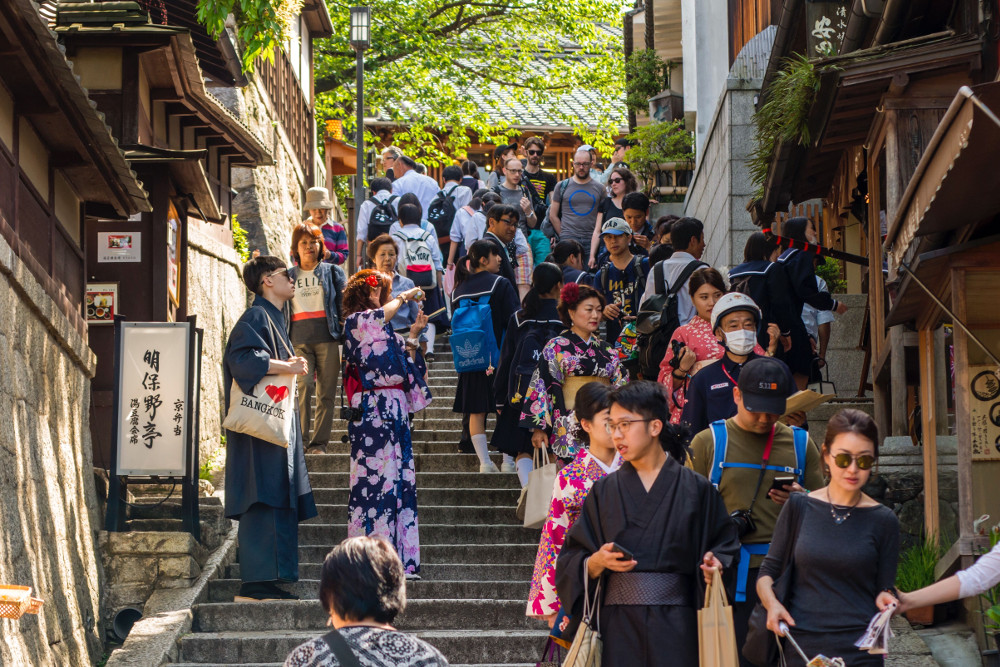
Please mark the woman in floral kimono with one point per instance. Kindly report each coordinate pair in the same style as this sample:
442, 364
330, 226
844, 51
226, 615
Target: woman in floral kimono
385, 382
568, 362
595, 459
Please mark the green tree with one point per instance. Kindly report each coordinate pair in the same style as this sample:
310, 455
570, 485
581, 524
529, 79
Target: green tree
439, 68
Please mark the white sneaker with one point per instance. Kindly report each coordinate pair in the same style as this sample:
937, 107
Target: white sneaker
488, 467
508, 467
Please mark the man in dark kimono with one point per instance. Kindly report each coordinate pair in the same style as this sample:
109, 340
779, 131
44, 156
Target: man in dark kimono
672, 521
267, 486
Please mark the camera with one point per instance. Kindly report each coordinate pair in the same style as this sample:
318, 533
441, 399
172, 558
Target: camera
678, 348
744, 522
350, 414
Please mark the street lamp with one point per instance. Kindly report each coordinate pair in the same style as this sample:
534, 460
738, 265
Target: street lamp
360, 40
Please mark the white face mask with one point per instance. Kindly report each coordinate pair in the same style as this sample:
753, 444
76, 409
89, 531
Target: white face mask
741, 342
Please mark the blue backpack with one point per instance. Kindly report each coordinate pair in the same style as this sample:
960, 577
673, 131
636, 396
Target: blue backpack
473, 343
720, 436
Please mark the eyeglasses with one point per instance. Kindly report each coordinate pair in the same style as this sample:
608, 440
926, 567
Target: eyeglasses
277, 273
508, 222
623, 426
582, 164
616, 180
513, 171
531, 152
865, 461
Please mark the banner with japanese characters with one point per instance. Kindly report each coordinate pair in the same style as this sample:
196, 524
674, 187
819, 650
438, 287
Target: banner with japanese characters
153, 395
827, 23
984, 404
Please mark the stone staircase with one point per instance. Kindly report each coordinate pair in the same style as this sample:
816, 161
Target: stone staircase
476, 560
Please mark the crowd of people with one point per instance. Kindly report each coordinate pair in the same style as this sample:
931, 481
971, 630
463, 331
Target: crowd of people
592, 332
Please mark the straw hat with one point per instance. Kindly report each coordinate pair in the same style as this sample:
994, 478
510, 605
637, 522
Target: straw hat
317, 198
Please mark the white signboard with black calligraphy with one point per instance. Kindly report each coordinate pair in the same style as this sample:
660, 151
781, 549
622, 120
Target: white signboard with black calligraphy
153, 391
984, 405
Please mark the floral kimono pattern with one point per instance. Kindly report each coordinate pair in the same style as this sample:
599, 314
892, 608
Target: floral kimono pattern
383, 498
697, 336
563, 357
571, 488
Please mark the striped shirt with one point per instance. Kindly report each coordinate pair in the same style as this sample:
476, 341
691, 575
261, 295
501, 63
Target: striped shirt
335, 239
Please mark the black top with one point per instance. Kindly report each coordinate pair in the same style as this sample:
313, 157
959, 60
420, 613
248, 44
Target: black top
506, 268
710, 393
543, 181
609, 210
522, 348
839, 569
503, 298
802, 275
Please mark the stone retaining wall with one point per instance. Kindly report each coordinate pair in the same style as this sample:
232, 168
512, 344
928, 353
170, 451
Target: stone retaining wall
48, 512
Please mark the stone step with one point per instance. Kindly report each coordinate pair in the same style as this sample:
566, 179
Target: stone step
309, 615
340, 445
223, 590
151, 508
470, 646
437, 572
431, 515
456, 462
432, 535
430, 496
436, 434
280, 664
482, 553
425, 480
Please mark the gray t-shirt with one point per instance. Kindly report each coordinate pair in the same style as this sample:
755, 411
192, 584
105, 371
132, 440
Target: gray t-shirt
578, 205
513, 198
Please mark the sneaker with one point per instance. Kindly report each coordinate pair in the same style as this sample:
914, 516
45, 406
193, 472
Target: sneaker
429, 357
508, 467
412, 576
488, 467
257, 591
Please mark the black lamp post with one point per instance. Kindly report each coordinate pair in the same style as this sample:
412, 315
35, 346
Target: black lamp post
360, 40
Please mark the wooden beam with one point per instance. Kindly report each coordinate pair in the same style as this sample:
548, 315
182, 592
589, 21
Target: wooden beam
897, 380
929, 418
963, 407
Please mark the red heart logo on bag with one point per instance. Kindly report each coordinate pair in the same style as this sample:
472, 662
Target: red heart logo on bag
276, 393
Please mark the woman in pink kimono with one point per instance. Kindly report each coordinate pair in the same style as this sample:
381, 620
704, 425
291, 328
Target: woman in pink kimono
595, 459
700, 346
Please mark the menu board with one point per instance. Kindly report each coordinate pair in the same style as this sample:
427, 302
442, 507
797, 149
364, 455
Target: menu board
101, 303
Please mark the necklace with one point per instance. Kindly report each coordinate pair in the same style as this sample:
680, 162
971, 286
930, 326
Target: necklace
837, 517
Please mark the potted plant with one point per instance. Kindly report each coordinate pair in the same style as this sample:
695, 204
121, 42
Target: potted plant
916, 571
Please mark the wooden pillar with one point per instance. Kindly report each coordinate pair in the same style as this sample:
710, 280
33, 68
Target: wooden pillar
929, 416
941, 383
963, 409
897, 380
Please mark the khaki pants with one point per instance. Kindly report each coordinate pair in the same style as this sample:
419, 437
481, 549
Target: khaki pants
323, 363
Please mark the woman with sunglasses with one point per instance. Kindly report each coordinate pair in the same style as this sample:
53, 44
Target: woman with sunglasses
843, 548
620, 183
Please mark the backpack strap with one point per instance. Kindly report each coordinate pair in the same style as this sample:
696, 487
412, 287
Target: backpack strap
341, 649
720, 440
801, 441
685, 274
658, 286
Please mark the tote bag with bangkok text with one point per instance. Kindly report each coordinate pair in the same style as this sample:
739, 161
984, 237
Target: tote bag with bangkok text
266, 412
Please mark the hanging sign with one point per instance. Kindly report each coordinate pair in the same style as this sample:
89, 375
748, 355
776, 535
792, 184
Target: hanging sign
984, 403
119, 247
826, 23
153, 393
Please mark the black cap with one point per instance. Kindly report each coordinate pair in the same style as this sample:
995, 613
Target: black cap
503, 148
765, 383
623, 141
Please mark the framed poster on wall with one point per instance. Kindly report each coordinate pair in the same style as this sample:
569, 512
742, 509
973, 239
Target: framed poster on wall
984, 403
101, 303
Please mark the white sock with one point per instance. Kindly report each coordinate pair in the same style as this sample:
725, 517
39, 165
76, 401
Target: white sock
508, 460
431, 332
480, 443
524, 468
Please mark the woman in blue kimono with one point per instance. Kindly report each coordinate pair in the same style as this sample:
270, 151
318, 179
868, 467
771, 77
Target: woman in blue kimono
385, 382
267, 486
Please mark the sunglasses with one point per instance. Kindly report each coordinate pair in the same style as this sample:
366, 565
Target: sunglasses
530, 152
616, 180
276, 273
865, 461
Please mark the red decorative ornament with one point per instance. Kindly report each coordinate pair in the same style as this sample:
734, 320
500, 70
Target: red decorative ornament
570, 293
372, 280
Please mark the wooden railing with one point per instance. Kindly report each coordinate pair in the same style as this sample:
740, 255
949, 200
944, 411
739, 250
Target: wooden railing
290, 108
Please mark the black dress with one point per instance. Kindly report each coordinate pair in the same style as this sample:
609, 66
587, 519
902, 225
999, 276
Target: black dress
798, 287
838, 571
519, 355
474, 394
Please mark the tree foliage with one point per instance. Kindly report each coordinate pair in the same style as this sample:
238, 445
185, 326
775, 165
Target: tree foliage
442, 69
646, 76
656, 143
261, 24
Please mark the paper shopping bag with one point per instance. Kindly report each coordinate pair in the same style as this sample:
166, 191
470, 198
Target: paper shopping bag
538, 496
716, 635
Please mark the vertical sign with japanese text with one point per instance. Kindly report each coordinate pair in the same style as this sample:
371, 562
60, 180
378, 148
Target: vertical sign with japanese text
984, 406
826, 23
153, 395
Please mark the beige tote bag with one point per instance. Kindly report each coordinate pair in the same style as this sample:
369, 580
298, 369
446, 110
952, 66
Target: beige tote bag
587, 646
538, 493
266, 412
716, 632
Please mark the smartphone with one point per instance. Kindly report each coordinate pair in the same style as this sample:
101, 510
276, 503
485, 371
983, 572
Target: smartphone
779, 483
622, 550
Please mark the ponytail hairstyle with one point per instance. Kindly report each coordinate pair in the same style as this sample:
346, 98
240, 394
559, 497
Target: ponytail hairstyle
543, 280
795, 229
564, 250
590, 399
571, 296
467, 264
476, 203
649, 399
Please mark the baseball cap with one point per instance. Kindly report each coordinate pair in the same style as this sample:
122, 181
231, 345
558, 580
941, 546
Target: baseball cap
765, 383
586, 147
731, 303
500, 150
615, 226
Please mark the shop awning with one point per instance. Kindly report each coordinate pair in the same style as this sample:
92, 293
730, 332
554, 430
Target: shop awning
341, 157
188, 173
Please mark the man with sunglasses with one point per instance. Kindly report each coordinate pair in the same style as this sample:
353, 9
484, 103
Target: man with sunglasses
542, 181
756, 462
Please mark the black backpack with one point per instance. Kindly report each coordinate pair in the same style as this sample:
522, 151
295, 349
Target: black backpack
658, 318
441, 213
382, 217
529, 347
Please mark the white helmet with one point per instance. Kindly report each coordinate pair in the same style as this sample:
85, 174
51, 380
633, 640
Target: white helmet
731, 303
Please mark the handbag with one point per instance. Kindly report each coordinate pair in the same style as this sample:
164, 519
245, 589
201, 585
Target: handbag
551, 656
821, 385
716, 631
267, 412
587, 646
538, 492
341, 649
763, 646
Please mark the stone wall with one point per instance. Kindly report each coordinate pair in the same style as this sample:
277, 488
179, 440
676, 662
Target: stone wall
217, 295
48, 513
